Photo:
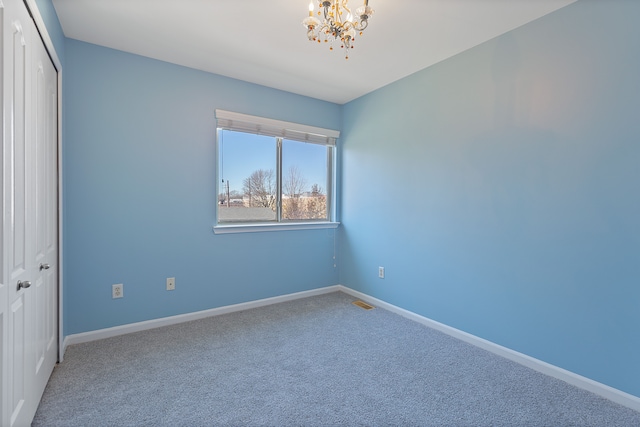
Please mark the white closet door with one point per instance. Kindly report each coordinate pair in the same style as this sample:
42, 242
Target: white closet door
19, 216
42, 311
29, 239
4, 300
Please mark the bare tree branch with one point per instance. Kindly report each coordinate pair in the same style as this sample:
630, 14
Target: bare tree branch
260, 189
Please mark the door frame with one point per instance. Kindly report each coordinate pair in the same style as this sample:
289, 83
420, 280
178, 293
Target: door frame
48, 43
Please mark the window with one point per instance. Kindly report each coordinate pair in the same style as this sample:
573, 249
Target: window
273, 174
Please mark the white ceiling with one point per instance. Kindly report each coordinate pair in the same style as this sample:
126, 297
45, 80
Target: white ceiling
264, 42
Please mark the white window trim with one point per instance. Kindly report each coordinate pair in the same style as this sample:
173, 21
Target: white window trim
279, 226
278, 128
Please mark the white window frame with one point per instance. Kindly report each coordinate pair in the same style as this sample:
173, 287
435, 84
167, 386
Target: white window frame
227, 120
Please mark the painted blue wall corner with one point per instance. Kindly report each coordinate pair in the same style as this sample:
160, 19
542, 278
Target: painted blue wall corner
499, 189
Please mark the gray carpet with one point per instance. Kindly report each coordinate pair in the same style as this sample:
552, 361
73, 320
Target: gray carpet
318, 361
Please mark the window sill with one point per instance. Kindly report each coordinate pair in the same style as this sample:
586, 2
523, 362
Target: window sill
258, 228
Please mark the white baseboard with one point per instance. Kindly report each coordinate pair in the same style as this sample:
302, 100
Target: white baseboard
615, 395
173, 320
603, 390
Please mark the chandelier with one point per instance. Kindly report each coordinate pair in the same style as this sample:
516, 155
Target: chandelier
338, 23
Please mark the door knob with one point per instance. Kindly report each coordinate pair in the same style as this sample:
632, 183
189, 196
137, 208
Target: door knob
44, 267
24, 284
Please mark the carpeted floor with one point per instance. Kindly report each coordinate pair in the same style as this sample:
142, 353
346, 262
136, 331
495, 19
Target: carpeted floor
318, 361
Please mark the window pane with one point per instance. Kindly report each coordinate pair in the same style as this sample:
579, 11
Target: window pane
304, 181
248, 177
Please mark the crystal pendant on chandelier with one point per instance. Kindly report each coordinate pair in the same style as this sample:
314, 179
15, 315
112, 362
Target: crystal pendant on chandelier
338, 23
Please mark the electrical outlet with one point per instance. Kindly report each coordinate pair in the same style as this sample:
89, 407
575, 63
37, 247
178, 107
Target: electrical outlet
381, 272
171, 283
117, 291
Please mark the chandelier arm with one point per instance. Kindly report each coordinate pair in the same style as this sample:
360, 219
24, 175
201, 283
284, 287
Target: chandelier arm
332, 24
322, 29
345, 6
326, 12
361, 25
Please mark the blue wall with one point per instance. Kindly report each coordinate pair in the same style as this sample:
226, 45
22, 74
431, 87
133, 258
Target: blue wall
50, 18
500, 190
139, 193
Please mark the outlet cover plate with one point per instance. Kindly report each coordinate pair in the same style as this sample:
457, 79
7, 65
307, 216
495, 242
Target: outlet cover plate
171, 283
117, 291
